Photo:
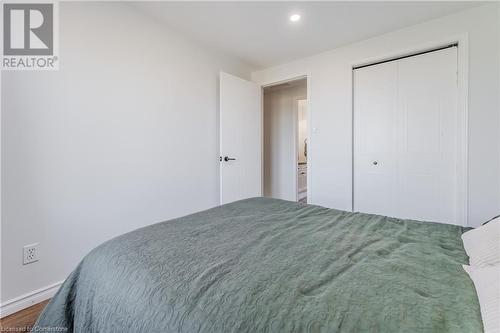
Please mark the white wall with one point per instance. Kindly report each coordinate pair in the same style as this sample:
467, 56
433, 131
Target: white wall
280, 126
330, 162
122, 136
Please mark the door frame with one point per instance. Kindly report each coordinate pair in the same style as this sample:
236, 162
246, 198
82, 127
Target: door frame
306, 76
462, 108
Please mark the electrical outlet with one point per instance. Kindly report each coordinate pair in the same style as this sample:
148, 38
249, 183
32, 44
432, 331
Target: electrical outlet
30, 253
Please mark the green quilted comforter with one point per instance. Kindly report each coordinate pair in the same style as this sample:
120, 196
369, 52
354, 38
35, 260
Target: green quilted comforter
267, 265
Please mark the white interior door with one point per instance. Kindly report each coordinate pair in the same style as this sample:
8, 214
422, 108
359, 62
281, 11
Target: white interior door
406, 138
240, 139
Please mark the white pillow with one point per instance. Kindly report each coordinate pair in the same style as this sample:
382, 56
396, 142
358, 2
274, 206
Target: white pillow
487, 283
483, 244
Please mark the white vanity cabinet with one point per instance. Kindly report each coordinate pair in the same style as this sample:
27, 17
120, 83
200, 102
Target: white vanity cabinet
302, 180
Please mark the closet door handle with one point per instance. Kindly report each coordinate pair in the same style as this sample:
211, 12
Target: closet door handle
227, 158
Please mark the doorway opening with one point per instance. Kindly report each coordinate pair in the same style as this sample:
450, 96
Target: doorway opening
285, 117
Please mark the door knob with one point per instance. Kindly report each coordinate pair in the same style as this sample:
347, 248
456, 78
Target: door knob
226, 158
375, 162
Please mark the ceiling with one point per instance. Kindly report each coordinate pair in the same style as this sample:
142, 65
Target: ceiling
261, 34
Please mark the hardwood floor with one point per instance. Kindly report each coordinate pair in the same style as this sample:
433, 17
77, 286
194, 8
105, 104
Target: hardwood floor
23, 320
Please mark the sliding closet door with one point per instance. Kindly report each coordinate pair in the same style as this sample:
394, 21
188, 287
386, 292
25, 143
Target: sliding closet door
406, 138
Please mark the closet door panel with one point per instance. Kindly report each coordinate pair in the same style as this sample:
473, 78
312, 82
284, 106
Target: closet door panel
405, 138
375, 112
427, 95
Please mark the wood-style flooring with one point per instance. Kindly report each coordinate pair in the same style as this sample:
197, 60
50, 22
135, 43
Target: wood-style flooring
23, 320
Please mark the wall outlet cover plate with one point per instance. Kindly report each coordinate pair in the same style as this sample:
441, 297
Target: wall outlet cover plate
30, 253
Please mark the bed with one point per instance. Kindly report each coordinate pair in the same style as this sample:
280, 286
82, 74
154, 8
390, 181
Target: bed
268, 265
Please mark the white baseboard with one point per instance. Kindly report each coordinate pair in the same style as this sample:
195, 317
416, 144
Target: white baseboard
22, 302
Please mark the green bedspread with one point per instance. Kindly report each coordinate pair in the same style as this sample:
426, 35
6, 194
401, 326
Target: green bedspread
266, 265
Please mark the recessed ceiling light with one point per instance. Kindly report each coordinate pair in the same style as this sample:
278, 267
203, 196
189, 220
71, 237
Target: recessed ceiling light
295, 17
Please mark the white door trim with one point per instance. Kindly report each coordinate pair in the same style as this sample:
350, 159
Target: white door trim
462, 106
